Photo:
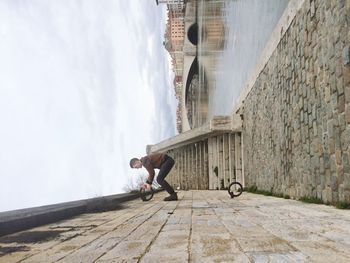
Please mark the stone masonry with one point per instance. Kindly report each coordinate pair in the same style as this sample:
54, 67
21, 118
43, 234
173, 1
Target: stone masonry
296, 124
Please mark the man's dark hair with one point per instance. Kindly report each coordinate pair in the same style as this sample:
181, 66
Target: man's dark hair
132, 161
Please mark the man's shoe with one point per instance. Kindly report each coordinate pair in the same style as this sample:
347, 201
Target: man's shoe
172, 197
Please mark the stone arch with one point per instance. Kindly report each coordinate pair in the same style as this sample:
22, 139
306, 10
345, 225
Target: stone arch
196, 95
192, 34
194, 70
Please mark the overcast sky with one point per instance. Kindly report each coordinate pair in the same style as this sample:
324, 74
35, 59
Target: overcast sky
84, 86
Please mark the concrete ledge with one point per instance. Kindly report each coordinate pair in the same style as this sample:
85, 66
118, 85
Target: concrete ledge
217, 125
18, 220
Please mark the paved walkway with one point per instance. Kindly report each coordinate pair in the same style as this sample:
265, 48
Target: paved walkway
203, 226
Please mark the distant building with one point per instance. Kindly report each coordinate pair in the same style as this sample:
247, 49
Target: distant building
175, 34
173, 43
175, 4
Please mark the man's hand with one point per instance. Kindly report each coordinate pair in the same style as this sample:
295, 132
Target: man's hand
147, 187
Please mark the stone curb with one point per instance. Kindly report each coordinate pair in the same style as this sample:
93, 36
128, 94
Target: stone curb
22, 219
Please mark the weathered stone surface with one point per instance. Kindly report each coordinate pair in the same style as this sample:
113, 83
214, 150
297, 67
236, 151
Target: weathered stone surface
316, 43
346, 56
203, 226
341, 104
347, 94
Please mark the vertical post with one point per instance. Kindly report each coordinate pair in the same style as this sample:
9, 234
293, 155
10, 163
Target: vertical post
184, 179
206, 164
179, 168
197, 164
201, 174
230, 157
189, 167
242, 159
193, 167
181, 172
210, 163
223, 161
233, 151
217, 162
227, 159
171, 176
176, 171
238, 152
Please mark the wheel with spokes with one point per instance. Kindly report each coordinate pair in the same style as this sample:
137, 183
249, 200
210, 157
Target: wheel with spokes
146, 195
235, 189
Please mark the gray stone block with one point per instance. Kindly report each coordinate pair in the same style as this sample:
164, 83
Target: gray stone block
341, 3
330, 128
334, 101
331, 145
342, 121
346, 165
340, 85
345, 139
314, 125
346, 56
347, 93
338, 70
321, 167
347, 114
341, 103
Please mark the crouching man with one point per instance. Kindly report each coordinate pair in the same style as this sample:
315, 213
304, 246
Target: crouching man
160, 161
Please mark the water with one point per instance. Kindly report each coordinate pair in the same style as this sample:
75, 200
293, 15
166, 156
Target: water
232, 35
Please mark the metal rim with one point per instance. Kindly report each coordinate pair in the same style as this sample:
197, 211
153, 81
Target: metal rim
237, 193
146, 195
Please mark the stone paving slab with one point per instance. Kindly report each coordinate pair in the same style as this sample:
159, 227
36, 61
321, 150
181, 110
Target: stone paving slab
203, 226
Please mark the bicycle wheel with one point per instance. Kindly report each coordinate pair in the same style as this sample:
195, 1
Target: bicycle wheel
235, 189
146, 195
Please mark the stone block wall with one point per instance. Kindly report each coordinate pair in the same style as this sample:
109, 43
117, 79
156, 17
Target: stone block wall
296, 127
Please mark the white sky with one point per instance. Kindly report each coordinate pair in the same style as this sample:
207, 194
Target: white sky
84, 86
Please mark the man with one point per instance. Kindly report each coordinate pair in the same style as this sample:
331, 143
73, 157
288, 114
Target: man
161, 161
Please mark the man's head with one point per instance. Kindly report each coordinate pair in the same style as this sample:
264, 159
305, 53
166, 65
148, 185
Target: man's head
135, 163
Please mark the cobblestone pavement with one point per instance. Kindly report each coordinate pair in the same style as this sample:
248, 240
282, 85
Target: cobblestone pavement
203, 226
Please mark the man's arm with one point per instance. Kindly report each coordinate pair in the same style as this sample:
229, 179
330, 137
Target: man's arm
147, 164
